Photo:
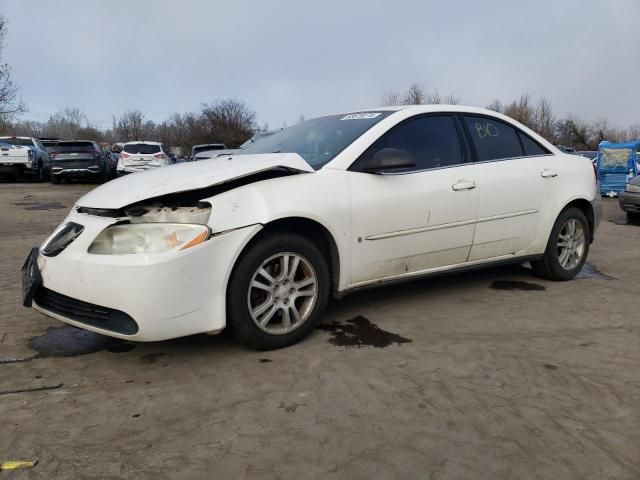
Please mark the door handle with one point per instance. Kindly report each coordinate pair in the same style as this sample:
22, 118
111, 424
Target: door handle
464, 185
546, 173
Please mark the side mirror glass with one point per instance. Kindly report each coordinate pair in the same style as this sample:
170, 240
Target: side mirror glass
388, 159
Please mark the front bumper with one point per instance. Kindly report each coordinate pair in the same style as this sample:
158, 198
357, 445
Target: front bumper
166, 295
77, 169
123, 170
629, 202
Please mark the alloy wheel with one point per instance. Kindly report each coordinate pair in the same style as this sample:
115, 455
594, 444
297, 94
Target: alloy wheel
282, 293
571, 244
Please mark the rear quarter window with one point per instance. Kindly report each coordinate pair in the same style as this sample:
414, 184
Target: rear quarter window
531, 147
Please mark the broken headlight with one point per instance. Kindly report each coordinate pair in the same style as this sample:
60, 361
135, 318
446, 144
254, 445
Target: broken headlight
148, 238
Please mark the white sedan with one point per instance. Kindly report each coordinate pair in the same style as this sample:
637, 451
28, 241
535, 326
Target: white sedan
258, 241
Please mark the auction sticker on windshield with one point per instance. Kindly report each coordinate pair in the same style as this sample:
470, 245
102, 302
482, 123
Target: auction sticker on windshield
361, 116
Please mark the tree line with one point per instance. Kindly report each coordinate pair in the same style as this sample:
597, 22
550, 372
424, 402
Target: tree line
569, 130
228, 121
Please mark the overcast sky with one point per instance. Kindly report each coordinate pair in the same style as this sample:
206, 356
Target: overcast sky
287, 58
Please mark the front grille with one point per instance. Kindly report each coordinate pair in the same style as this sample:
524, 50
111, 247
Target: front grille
62, 239
87, 313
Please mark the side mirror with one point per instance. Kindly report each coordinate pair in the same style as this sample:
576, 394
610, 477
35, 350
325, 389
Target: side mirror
388, 159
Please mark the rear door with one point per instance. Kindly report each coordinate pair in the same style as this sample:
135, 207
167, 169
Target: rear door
511, 171
411, 221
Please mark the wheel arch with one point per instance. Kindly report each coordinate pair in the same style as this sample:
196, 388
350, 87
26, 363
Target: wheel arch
311, 229
587, 208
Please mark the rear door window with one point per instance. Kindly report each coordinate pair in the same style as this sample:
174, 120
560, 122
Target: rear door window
141, 148
493, 139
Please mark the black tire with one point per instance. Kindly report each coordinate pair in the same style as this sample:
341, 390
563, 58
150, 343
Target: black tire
40, 175
55, 179
633, 216
549, 266
239, 318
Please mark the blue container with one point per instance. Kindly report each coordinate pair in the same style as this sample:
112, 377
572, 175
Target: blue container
616, 164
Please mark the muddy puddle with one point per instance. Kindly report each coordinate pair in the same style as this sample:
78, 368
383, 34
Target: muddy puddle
68, 341
516, 285
41, 205
359, 332
591, 271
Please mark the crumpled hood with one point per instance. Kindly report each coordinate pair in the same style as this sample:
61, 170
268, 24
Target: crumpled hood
187, 176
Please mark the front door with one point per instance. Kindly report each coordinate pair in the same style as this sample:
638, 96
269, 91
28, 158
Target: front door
407, 222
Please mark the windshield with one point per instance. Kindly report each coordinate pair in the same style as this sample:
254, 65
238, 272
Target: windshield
256, 137
141, 148
318, 140
18, 141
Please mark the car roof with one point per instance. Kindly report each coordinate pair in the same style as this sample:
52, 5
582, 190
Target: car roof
439, 107
16, 136
208, 145
136, 142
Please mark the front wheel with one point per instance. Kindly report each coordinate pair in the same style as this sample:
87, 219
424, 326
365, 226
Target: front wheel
278, 291
40, 174
567, 248
55, 179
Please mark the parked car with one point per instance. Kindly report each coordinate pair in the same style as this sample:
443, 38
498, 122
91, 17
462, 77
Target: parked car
207, 154
630, 199
140, 156
23, 157
205, 147
79, 159
258, 241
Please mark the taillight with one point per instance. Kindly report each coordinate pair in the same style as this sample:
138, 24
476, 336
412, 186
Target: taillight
95, 153
595, 170
124, 155
160, 156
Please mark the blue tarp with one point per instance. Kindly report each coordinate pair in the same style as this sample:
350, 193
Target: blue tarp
616, 163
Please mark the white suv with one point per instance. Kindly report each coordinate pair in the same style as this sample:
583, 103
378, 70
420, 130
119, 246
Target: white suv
139, 156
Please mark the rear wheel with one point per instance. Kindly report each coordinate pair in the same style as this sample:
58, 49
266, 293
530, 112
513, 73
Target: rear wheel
40, 173
633, 216
277, 292
567, 248
55, 179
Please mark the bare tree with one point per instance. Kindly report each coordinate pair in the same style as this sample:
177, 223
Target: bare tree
131, 126
496, 106
229, 121
544, 121
391, 99
10, 104
417, 95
